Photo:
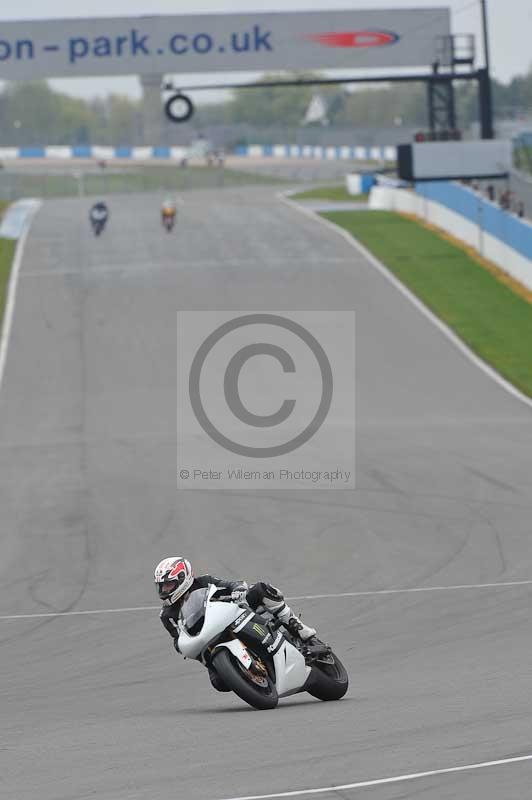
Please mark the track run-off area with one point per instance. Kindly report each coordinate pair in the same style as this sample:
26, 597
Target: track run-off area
420, 578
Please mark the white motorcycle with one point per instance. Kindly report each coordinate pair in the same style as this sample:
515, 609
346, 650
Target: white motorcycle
254, 655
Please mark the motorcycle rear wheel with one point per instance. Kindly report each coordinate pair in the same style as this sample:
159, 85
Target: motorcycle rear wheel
237, 679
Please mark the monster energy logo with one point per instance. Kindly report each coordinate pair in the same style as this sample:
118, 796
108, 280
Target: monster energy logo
258, 629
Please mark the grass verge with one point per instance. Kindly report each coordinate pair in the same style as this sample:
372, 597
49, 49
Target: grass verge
492, 319
337, 193
25, 183
7, 251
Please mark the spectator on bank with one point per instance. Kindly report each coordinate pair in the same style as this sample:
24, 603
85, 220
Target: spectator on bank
490, 191
520, 209
505, 200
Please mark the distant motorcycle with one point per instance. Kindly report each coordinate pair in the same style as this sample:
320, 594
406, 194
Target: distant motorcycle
168, 216
251, 655
98, 215
168, 221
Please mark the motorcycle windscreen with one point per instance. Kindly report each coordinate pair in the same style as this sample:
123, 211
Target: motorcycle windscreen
193, 611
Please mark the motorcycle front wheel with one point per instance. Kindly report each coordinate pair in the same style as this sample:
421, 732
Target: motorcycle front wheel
328, 679
257, 691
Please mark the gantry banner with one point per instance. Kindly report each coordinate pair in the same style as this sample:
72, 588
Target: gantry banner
292, 40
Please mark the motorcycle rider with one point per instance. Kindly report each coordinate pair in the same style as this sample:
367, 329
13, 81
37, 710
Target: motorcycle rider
175, 579
98, 215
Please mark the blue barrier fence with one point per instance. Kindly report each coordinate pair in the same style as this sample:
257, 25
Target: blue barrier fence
86, 151
31, 152
319, 151
509, 229
343, 153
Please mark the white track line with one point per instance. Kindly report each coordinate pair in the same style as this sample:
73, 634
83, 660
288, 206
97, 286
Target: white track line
413, 590
80, 613
442, 327
339, 595
383, 781
12, 290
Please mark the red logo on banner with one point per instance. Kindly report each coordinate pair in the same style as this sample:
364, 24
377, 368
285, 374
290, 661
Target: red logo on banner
354, 38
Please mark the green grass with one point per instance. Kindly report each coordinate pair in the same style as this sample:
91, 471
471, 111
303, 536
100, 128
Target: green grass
336, 193
7, 250
489, 316
523, 158
125, 180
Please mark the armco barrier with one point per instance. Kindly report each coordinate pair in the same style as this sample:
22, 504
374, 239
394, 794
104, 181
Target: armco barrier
93, 151
359, 182
496, 234
321, 152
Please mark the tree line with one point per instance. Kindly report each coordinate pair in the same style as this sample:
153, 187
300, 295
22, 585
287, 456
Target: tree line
34, 114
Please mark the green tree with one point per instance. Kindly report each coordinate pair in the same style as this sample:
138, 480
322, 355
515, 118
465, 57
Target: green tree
270, 105
382, 107
33, 114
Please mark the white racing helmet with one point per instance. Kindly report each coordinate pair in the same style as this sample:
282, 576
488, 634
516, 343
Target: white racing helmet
173, 578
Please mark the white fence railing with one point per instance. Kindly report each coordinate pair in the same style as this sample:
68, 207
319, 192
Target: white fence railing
497, 235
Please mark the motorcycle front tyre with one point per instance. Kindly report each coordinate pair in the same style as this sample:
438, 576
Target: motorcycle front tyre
235, 678
328, 681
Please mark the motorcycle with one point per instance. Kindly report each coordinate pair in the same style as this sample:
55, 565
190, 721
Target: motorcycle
250, 655
97, 226
98, 220
168, 221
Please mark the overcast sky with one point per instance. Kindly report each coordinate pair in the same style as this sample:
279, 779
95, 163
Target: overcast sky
510, 27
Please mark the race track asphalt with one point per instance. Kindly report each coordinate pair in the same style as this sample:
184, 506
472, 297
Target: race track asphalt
98, 705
